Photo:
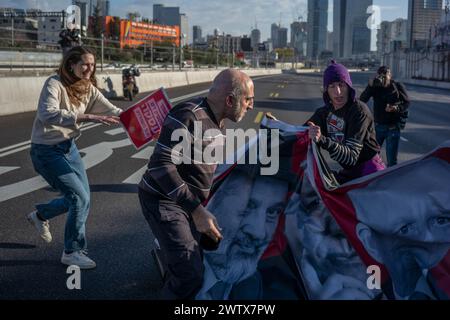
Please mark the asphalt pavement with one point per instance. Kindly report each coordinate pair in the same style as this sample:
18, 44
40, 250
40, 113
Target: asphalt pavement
119, 238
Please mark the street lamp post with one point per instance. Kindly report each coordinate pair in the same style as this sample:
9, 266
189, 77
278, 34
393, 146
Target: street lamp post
101, 65
12, 31
173, 57
151, 54
181, 51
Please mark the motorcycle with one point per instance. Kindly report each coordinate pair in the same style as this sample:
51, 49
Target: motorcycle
129, 86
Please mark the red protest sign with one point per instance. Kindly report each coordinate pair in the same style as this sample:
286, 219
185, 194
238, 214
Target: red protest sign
144, 119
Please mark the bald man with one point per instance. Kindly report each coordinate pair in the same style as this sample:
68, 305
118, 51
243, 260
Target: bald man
171, 192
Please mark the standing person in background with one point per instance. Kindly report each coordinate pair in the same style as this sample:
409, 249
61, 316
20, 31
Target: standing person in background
390, 107
67, 99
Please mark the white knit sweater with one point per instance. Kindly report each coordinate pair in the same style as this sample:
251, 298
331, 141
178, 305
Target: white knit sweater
56, 117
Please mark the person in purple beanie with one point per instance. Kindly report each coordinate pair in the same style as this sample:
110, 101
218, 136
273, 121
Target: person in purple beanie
345, 127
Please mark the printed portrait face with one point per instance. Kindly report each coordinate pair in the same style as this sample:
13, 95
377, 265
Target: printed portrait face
247, 210
405, 220
322, 249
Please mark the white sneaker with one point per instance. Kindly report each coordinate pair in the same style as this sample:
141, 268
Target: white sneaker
42, 227
78, 258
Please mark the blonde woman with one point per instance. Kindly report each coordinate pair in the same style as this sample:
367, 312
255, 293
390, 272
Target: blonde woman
67, 99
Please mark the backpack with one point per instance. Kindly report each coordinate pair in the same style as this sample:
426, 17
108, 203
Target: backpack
403, 115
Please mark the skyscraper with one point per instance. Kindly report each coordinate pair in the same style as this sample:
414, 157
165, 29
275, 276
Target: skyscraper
351, 36
255, 37
196, 34
171, 16
274, 35
317, 27
357, 34
83, 5
282, 37
103, 5
339, 12
422, 14
299, 37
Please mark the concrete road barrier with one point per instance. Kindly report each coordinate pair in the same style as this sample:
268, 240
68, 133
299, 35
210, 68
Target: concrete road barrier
21, 94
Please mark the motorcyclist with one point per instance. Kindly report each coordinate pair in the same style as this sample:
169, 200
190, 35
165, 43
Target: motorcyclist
129, 75
69, 38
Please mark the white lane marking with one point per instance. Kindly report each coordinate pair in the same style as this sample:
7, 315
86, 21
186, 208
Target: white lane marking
15, 146
90, 126
199, 93
4, 154
144, 153
137, 176
7, 169
404, 139
93, 155
27, 144
114, 132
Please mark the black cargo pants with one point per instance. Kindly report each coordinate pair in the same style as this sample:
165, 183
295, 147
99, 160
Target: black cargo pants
178, 240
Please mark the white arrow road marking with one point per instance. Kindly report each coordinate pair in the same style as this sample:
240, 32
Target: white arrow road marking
114, 132
7, 169
143, 154
94, 155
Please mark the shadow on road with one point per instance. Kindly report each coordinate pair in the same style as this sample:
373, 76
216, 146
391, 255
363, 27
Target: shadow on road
12, 245
16, 263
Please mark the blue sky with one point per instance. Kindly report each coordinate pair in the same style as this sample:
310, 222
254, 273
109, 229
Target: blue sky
235, 17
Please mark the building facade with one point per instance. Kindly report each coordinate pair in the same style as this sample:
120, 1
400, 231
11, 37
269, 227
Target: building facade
423, 15
197, 34
282, 37
317, 27
171, 16
274, 35
357, 36
255, 37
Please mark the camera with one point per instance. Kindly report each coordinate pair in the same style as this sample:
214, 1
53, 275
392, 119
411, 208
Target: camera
379, 81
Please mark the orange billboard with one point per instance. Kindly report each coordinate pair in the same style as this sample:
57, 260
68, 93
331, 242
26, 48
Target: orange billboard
134, 34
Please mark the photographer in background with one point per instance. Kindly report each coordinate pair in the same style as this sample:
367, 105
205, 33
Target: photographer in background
390, 108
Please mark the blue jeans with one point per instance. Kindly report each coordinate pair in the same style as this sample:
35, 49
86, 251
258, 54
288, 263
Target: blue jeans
390, 133
61, 166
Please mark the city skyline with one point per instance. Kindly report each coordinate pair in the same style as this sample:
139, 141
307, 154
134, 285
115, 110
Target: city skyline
233, 19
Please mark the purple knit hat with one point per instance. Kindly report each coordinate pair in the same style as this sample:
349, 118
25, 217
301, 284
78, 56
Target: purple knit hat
333, 73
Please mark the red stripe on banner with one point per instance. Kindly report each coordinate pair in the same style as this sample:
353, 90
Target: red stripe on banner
279, 242
442, 274
299, 153
442, 153
341, 207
